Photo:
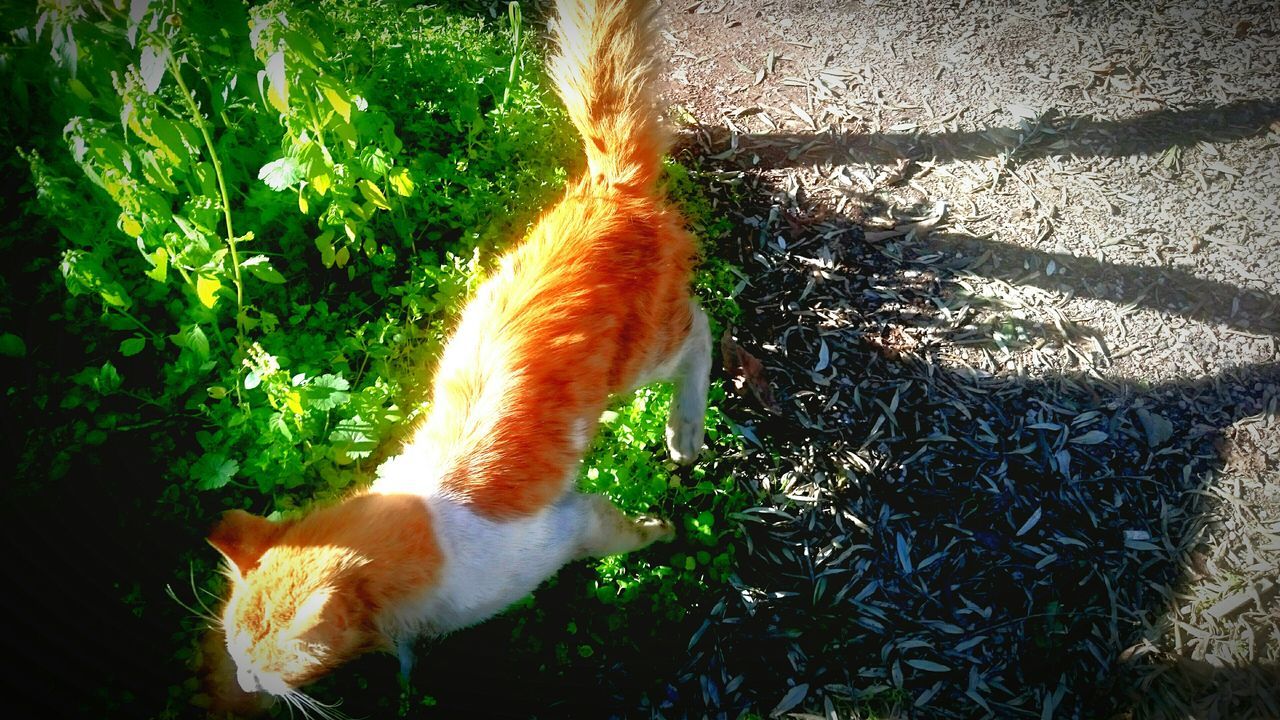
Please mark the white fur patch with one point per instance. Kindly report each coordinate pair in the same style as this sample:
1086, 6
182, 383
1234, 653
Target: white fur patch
488, 564
582, 428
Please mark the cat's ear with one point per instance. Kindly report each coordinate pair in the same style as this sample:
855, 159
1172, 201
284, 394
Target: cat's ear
242, 537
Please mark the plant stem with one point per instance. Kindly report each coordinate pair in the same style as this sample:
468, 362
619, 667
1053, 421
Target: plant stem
222, 191
315, 120
154, 335
513, 15
190, 100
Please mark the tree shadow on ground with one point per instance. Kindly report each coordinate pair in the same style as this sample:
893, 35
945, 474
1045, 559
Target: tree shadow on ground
951, 542
1048, 133
1245, 308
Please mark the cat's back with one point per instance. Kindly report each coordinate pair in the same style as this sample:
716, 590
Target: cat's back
585, 307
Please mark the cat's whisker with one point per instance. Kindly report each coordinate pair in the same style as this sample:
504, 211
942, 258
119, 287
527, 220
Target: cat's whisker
207, 616
299, 700
324, 710
289, 703
338, 714
195, 591
309, 707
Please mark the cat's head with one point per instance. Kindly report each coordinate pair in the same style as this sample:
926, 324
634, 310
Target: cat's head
308, 595
297, 607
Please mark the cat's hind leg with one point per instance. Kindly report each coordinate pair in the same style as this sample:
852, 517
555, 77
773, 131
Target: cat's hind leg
606, 530
692, 377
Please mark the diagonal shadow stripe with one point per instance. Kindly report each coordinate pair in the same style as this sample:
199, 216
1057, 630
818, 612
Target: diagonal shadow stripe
1164, 289
1146, 133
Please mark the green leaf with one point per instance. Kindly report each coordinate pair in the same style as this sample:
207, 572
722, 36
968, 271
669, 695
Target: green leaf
351, 442
278, 424
401, 182
213, 470
373, 194
170, 139
347, 133
277, 91
324, 243
304, 47
133, 346
328, 392
928, 666
79, 90
337, 99
108, 379
85, 274
280, 174
131, 227
114, 294
321, 183
159, 265
192, 338
12, 346
268, 274
207, 178
207, 290
197, 235
706, 520
261, 268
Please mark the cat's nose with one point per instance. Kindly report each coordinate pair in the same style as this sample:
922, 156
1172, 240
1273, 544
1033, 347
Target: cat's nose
249, 680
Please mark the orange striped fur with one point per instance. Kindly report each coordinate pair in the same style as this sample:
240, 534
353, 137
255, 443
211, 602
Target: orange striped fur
592, 300
480, 506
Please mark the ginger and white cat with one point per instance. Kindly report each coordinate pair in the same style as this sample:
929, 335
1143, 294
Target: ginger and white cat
480, 506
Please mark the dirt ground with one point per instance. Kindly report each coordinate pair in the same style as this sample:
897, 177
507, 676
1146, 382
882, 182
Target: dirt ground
1013, 273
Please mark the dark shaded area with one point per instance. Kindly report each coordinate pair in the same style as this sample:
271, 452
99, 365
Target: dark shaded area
1166, 289
88, 556
1143, 134
930, 531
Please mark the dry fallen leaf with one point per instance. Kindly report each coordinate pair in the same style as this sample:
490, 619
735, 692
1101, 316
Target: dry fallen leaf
793, 698
891, 342
746, 373
1157, 428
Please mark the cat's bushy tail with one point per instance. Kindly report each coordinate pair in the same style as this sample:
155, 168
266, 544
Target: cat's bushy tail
605, 73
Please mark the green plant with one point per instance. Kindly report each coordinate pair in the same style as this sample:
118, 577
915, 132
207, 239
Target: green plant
263, 219
627, 465
242, 157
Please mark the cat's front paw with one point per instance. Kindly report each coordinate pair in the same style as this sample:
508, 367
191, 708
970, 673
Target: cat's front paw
404, 651
684, 441
655, 529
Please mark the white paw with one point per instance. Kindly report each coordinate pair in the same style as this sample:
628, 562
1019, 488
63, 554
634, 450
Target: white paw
655, 528
684, 441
